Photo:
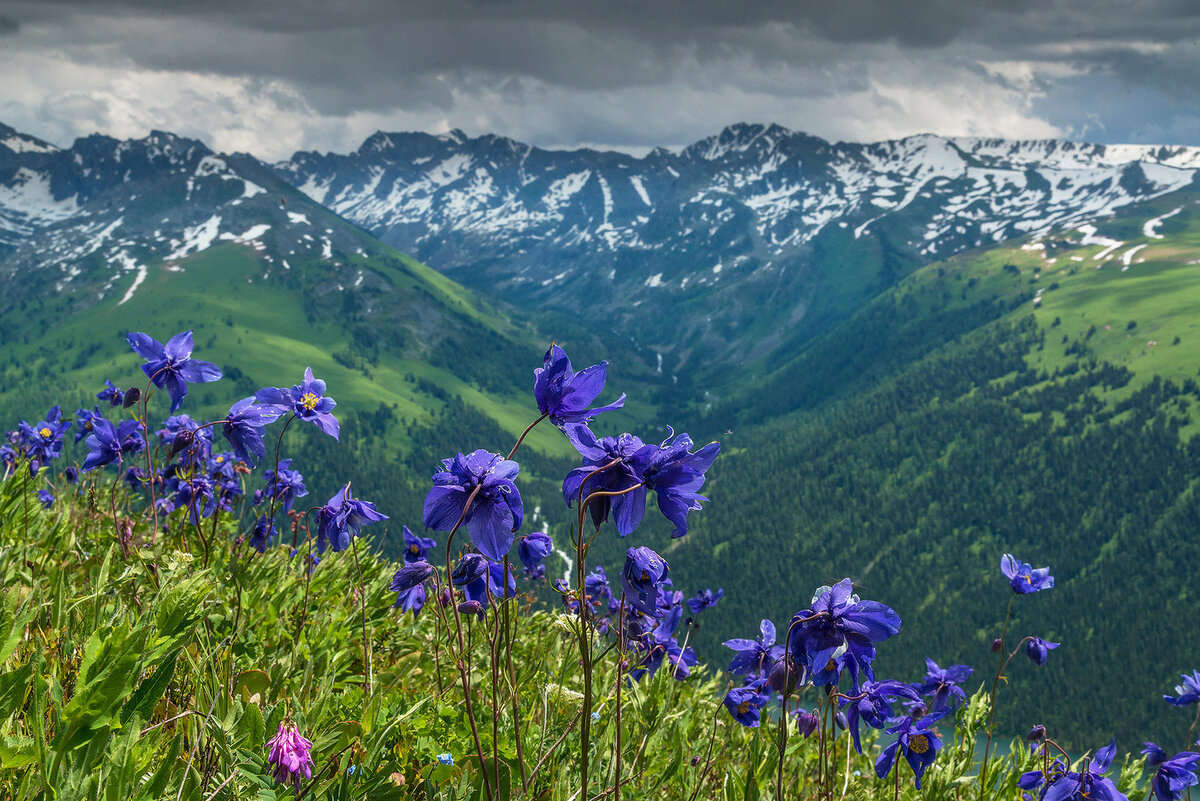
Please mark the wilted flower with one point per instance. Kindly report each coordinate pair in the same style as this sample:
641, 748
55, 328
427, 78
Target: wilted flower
1174, 774
705, 599
942, 684
495, 513
642, 579
755, 657
916, 741
342, 518
563, 395
306, 400
171, 365
745, 705
1038, 649
1186, 693
291, 755
1023, 578
840, 630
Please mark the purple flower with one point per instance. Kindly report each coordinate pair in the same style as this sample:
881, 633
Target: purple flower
342, 518
43, 442
675, 474
71, 474
413, 574
1023, 578
494, 515
532, 549
84, 418
1038, 650
563, 395
416, 548
171, 365
263, 533
1186, 693
628, 509
916, 741
46, 498
469, 568
306, 400
660, 645
104, 446
838, 630
873, 705
180, 427
807, 722
1174, 774
291, 755
705, 599
745, 705
642, 579
243, 427
754, 657
110, 393
412, 600
286, 484
942, 684
1089, 784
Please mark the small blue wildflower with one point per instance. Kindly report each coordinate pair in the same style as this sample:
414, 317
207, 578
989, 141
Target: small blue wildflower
563, 395
445, 759
1023, 578
46, 498
942, 684
1186, 693
171, 365
307, 400
705, 599
494, 515
1038, 650
342, 518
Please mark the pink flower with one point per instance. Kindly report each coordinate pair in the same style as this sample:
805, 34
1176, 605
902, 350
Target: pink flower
291, 755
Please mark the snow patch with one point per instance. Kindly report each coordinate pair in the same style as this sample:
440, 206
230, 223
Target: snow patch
1150, 228
654, 280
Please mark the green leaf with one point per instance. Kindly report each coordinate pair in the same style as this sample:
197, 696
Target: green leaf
158, 782
144, 698
12, 690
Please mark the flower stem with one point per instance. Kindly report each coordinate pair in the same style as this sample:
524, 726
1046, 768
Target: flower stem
992, 702
362, 597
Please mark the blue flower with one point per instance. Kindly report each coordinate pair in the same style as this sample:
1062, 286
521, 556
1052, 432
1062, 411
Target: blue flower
1023, 578
705, 599
306, 400
838, 630
494, 515
43, 441
412, 600
243, 427
532, 549
110, 393
628, 509
413, 574
916, 741
675, 474
286, 484
416, 548
1186, 693
171, 365
872, 705
942, 684
1038, 650
445, 759
104, 445
263, 533
342, 518
563, 395
46, 498
660, 645
754, 657
745, 705
84, 418
1089, 784
642, 579
1174, 774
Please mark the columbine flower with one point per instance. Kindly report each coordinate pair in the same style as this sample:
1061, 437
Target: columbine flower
263, 533
1023, 578
705, 599
469, 568
43, 442
675, 474
416, 548
660, 645
1089, 784
873, 705
243, 427
413, 574
412, 600
1035, 778
495, 513
745, 705
840, 630
917, 742
291, 755
180, 431
642, 578
1186, 693
754, 657
942, 684
104, 445
84, 418
46, 498
171, 365
628, 509
532, 550
1038, 650
71, 474
306, 400
563, 395
807, 722
342, 518
1174, 775
110, 393
285, 484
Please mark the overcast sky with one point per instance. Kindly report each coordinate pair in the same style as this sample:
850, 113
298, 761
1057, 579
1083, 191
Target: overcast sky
274, 76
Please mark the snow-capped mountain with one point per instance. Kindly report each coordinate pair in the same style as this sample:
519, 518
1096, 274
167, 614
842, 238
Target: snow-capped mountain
792, 218
89, 220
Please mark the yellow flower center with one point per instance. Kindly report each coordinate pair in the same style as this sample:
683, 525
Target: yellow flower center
308, 401
743, 707
414, 549
46, 433
220, 459
918, 744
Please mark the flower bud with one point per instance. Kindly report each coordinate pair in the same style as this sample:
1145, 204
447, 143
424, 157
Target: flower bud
996, 645
840, 720
807, 722
1036, 734
132, 396
695, 760
471, 608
